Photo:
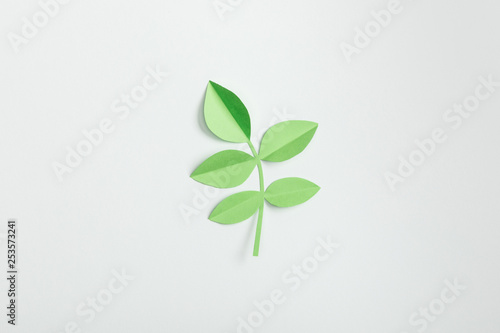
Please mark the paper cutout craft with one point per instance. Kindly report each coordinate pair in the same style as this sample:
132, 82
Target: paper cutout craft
227, 117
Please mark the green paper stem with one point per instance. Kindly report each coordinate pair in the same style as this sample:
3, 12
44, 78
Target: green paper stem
256, 244
261, 208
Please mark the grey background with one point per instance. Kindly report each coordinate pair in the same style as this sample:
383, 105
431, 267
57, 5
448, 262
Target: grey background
121, 207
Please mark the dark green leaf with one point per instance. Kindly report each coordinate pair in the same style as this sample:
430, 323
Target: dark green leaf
226, 115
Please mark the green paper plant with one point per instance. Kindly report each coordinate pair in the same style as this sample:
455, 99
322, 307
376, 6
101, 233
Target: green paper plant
227, 117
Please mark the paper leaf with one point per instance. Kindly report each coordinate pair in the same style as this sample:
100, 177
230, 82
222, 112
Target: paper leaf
237, 207
288, 192
228, 168
286, 139
225, 114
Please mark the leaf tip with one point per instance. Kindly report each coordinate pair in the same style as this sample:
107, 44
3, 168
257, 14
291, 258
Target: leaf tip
194, 174
316, 187
211, 85
212, 217
314, 125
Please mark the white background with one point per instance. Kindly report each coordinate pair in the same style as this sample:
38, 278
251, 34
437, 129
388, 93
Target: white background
121, 208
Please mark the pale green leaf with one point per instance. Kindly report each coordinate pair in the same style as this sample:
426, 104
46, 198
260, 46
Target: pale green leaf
286, 139
237, 207
289, 192
228, 168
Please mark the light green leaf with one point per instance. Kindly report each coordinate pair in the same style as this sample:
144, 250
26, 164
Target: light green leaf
237, 207
288, 192
286, 139
228, 168
225, 114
